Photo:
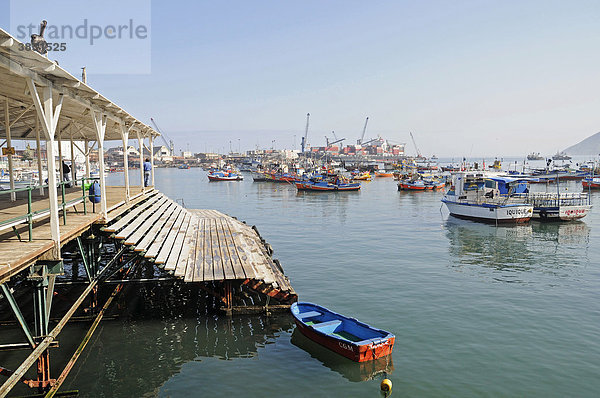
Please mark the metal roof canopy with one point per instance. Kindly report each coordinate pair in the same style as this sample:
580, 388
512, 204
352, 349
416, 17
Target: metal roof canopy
79, 101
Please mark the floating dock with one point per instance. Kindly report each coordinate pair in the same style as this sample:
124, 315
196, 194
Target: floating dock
128, 236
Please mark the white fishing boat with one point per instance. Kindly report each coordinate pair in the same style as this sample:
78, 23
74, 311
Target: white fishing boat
475, 196
565, 206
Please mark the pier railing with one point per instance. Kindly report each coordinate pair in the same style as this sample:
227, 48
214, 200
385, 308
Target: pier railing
63, 204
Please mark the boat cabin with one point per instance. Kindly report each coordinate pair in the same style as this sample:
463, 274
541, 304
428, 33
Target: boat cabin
471, 185
504, 186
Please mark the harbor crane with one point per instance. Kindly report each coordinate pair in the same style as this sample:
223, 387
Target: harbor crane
328, 144
303, 143
169, 143
415, 144
368, 142
362, 137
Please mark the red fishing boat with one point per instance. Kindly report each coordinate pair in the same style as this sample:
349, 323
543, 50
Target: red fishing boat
224, 176
344, 335
591, 183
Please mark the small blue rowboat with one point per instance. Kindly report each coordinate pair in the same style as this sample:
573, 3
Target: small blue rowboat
346, 336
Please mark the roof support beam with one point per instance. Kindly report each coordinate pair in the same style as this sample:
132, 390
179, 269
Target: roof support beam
125, 138
39, 155
141, 146
100, 124
151, 139
21, 115
48, 118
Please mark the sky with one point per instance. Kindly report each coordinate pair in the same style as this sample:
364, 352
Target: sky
467, 78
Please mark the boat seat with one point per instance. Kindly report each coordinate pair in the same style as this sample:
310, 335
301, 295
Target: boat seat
309, 314
327, 327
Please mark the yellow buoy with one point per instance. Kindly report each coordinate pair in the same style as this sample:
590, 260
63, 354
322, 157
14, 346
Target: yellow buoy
386, 385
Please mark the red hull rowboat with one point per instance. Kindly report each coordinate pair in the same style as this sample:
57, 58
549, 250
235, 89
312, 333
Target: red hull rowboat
407, 186
346, 336
591, 184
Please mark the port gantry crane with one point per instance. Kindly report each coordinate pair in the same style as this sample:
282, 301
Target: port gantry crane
329, 144
415, 144
169, 144
362, 137
303, 143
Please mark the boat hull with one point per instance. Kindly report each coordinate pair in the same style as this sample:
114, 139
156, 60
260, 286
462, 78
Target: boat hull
322, 186
224, 177
564, 213
375, 343
411, 187
590, 185
350, 351
490, 213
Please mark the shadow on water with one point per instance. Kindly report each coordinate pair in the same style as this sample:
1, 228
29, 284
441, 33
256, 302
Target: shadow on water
353, 371
152, 352
511, 251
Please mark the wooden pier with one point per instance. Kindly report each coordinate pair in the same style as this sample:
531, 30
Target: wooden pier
132, 235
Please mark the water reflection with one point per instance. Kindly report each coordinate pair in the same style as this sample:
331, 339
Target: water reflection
553, 248
151, 352
574, 233
353, 371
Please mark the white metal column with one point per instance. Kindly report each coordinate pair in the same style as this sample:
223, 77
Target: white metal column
48, 116
39, 155
125, 139
73, 168
60, 156
11, 170
151, 139
100, 124
86, 144
141, 145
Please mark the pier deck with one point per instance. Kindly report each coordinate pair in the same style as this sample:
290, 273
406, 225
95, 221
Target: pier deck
16, 255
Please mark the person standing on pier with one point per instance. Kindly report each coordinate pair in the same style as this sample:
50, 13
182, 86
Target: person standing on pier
66, 174
147, 171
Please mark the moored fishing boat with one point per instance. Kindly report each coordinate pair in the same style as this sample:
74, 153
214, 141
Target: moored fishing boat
259, 176
535, 156
563, 206
383, 174
561, 156
411, 185
365, 176
472, 196
434, 184
224, 176
344, 335
591, 183
310, 185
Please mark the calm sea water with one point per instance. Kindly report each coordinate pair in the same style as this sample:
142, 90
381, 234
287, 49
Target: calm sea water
477, 310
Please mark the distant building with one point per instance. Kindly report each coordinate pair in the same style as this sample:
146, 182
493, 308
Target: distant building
162, 154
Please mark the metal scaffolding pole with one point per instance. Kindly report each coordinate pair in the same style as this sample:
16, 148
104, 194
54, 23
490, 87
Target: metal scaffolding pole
39, 155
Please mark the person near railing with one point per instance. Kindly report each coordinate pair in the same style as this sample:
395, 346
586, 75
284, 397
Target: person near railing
66, 174
147, 172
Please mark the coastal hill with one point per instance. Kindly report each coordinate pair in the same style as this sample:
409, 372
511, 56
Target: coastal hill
589, 146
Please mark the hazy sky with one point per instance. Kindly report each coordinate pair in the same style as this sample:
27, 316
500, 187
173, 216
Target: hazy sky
466, 77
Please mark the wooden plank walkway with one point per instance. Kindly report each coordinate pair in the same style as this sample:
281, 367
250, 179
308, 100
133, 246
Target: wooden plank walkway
200, 245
